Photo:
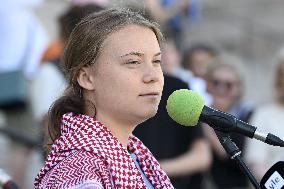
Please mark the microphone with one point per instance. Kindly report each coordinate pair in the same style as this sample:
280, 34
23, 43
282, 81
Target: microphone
274, 177
187, 107
6, 181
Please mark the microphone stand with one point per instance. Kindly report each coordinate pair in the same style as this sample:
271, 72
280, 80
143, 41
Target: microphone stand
234, 152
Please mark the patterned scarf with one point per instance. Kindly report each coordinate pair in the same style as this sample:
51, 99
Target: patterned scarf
87, 151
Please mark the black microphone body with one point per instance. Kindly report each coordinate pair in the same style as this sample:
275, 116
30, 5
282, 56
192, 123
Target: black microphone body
227, 123
274, 177
6, 181
10, 185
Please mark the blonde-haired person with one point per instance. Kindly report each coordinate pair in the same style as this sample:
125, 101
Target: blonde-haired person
225, 83
268, 117
112, 59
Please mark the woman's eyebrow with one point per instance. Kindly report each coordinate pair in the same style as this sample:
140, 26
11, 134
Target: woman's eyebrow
157, 54
138, 54
133, 53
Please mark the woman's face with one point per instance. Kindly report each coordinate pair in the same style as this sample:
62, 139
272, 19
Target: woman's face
224, 86
127, 77
199, 63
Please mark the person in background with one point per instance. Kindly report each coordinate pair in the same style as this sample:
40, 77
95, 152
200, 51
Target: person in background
174, 15
42, 98
269, 118
196, 59
22, 43
225, 83
21, 50
78, 9
115, 82
172, 62
182, 151
66, 22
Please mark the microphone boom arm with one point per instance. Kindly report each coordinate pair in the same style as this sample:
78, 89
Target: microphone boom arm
234, 152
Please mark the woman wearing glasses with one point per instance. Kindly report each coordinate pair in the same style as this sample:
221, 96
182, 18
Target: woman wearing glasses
224, 79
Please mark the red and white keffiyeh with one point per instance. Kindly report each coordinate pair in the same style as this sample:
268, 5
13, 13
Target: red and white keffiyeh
87, 155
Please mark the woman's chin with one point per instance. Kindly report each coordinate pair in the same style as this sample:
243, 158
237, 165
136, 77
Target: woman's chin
148, 114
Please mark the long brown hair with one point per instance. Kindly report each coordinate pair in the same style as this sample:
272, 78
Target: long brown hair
82, 49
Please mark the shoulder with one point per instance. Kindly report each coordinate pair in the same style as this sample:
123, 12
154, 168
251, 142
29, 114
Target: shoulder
170, 85
82, 162
271, 107
266, 109
174, 82
243, 111
80, 170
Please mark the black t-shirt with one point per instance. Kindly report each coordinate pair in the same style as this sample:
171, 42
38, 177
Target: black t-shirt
167, 139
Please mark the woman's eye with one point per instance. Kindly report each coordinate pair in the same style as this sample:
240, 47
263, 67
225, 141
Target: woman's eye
157, 61
133, 62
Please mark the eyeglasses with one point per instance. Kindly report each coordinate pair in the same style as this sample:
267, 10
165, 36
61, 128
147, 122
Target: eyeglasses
228, 85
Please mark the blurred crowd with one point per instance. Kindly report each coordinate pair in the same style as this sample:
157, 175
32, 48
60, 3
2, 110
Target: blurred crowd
192, 157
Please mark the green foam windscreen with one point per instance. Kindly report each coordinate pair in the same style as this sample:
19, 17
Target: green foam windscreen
185, 106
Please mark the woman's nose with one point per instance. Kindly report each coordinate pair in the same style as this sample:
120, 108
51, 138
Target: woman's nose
152, 73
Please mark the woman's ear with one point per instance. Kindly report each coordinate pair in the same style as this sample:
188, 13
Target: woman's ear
85, 78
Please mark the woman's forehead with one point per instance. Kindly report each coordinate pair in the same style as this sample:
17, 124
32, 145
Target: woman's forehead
224, 71
133, 37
